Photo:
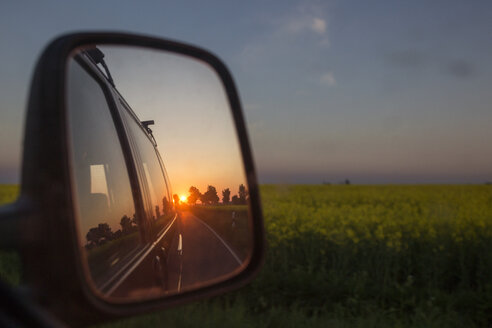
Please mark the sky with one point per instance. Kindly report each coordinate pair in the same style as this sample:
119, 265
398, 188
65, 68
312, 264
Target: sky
380, 92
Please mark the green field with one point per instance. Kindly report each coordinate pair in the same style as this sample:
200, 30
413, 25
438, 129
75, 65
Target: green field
361, 256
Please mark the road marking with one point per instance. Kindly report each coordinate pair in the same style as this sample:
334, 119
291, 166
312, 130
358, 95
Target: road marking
179, 283
136, 262
222, 241
180, 252
120, 271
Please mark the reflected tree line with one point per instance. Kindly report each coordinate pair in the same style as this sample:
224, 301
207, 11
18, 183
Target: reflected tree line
102, 233
211, 197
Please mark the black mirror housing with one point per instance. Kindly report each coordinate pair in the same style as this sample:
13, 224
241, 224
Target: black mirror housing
52, 262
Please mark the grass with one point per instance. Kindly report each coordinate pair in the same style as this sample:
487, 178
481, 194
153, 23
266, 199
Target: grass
361, 256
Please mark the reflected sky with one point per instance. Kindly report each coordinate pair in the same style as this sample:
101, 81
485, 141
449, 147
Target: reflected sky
380, 92
193, 127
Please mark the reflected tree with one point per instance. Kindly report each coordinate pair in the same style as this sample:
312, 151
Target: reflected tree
117, 234
226, 196
243, 194
99, 235
194, 195
176, 199
210, 197
127, 225
166, 206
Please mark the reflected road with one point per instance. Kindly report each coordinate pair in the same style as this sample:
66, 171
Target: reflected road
198, 254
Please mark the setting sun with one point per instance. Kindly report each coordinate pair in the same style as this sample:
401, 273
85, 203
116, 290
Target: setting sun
182, 198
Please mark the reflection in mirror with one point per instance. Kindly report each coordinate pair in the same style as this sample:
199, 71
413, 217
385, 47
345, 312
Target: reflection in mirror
159, 186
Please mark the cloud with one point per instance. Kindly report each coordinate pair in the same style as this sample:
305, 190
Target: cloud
318, 25
460, 68
305, 20
296, 24
302, 25
417, 60
328, 79
292, 39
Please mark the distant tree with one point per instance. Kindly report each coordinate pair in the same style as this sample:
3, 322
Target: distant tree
226, 196
157, 212
235, 200
194, 195
210, 197
242, 194
347, 181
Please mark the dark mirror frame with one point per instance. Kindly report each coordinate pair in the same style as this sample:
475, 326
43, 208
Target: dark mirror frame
52, 262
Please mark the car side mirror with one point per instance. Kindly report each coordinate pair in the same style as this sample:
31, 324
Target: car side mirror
138, 184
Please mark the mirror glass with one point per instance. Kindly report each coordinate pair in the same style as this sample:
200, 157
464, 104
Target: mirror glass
160, 194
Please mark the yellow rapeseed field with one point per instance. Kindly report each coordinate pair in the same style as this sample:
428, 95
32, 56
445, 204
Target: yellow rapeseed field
395, 216
350, 256
404, 254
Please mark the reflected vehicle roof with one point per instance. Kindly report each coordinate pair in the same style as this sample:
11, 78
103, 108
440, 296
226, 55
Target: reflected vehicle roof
93, 62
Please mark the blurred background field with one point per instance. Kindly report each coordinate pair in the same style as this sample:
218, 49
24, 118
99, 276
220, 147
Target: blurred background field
8, 193
356, 256
10, 264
